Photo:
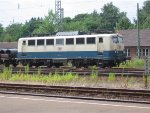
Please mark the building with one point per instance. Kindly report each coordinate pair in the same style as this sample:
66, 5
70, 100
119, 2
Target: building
131, 42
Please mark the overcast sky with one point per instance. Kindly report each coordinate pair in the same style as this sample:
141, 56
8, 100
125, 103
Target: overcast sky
11, 12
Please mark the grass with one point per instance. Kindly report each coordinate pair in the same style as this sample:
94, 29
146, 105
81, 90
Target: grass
94, 80
134, 63
7, 74
111, 77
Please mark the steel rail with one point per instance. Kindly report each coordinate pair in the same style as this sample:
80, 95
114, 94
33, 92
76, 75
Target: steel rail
127, 95
103, 72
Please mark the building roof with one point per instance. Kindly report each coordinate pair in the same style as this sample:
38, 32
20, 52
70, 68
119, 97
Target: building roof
8, 45
131, 37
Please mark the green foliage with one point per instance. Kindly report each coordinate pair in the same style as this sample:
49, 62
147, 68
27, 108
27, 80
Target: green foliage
134, 63
1, 30
73, 79
14, 31
39, 70
144, 16
124, 23
7, 74
27, 68
7, 38
93, 67
30, 26
56, 78
112, 77
47, 25
110, 16
94, 75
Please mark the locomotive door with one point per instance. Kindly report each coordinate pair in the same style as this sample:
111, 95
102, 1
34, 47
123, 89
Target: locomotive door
100, 45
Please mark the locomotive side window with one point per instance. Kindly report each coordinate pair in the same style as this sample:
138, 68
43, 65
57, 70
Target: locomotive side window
80, 41
91, 40
50, 42
69, 41
120, 39
24, 42
101, 40
31, 42
40, 42
60, 41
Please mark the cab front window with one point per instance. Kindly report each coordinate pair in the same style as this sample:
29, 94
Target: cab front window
115, 39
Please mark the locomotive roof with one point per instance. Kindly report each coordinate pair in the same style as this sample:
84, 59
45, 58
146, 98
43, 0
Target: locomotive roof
74, 36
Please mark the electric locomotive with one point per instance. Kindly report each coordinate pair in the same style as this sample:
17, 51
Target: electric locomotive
104, 50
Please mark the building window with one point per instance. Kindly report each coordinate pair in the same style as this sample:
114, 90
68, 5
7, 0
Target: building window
50, 42
91, 40
59, 41
145, 52
31, 42
40, 42
69, 41
127, 51
139, 53
80, 41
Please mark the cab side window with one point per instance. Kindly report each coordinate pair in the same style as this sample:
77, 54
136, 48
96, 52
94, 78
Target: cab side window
101, 40
120, 39
24, 42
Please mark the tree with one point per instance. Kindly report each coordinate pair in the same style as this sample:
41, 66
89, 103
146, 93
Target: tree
14, 31
124, 22
144, 16
80, 17
1, 32
30, 26
111, 17
7, 38
1, 29
47, 25
92, 22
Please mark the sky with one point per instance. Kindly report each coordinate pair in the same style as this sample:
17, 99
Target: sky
20, 11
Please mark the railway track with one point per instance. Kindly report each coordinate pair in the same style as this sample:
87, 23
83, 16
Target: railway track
103, 94
80, 71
